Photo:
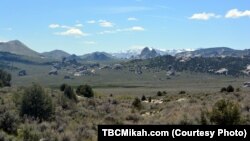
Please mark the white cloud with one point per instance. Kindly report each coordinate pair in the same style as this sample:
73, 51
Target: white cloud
79, 25
132, 19
131, 29
89, 42
108, 32
104, 23
69, 30
54, 26
204, 16
72, 32
235, 13
66, 27
91, 22
136, 28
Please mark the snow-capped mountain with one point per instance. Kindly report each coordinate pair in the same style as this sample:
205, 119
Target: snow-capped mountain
127, 54
135, 53
173, 52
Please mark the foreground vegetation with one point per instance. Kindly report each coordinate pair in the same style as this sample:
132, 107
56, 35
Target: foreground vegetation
72, 112
35, 113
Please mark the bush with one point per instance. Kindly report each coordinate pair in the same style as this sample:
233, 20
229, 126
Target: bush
225, 113
185, 121
182, 92
150, 99
9, 122
5, 79
137, 103
63, 86
230, 89
36, 103
159, 93
143, 98
238, 90
203, 118
223, 89
67, 103
85, 90
133, 117
30, 134
69, 93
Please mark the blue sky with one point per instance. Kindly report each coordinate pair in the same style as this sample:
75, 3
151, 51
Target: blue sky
83, 26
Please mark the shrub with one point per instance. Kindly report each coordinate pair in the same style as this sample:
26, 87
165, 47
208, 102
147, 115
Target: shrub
66, 103
230, 89
9, 122
143, 98
115, 102
182, 92
150, 99
133, 117
223, 89
69, 93
185, 121
4, 136
238, 90
159, 93
36, 103
137, 103
5, 79
203, 118
30, 134
225, 113
63, 86
85, 90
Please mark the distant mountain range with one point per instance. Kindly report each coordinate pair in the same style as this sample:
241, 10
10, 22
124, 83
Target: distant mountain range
136, 53
214, 52
19, 48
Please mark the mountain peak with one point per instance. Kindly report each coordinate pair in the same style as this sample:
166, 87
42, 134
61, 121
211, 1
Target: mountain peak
97, 56
56, 54
147, 53
17, 47
14, 41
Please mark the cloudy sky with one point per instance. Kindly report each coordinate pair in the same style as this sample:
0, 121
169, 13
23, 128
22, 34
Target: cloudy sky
83, 26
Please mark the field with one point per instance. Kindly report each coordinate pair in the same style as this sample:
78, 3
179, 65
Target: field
113, 80
178, 99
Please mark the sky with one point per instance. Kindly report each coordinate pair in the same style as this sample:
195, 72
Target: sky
84, 26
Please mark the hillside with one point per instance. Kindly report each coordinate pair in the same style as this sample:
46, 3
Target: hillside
234, 66
56, 54
215, 52
97, 56
19, 48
